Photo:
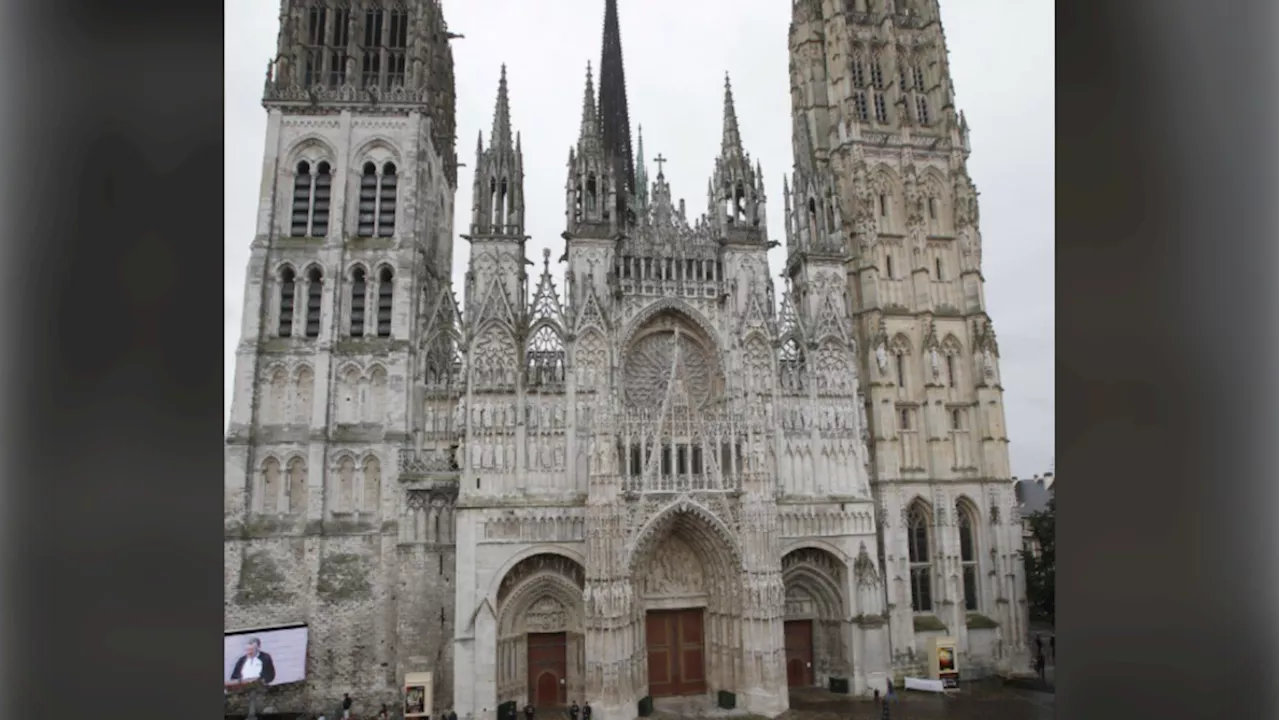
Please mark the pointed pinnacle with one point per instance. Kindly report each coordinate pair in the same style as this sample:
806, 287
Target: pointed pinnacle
500, 136
588, 107
731, 141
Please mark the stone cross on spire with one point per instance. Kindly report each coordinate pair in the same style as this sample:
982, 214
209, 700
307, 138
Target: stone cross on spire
659, 159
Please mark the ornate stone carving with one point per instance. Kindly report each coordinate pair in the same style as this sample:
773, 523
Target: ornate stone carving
674, 571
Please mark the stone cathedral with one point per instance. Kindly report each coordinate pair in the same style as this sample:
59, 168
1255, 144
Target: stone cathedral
638, 470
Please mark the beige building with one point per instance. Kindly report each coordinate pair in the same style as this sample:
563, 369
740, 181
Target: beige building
646, 472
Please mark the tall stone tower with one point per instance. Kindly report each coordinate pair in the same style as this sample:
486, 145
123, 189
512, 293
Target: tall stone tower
880, 187
352, 252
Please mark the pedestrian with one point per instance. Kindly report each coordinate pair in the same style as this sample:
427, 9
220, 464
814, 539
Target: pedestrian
384, 713
346, 706
884, 710
1039, 642
1053, 646
1040, 664
573, 711
528, 711
586, 710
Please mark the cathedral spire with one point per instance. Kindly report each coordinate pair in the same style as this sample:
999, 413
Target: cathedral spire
615, 124
500, 136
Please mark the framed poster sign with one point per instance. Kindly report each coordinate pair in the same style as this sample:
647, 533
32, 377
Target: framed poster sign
417, 695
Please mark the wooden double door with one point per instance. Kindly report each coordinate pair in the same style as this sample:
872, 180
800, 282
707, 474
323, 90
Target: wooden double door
798, 641
548, 660
677, 658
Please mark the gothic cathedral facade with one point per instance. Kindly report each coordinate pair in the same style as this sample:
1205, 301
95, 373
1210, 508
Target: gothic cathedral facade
654, 475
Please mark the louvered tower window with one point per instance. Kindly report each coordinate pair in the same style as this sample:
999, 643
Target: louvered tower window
367, 211
320, 203
358, 289
301, 216
315, 288
387, 201
386, 291
287, 289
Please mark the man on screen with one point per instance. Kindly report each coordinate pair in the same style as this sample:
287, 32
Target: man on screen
254, 664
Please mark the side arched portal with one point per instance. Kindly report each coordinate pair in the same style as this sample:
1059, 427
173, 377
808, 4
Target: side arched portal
540, 642
817, 606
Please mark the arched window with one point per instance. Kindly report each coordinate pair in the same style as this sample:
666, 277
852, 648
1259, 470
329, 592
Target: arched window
297, 486
937, 262
287, 288
311, 192
358, 290
591, 193
270, 486
888, 258
387, 201
368, 200
315, 288
900, 365
301, 200
386, 291
397, 46
320, 204
919, 559
968, 557
339, 40
956, 421
951, 370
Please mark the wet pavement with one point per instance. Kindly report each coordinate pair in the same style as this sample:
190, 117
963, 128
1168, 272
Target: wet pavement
987, 700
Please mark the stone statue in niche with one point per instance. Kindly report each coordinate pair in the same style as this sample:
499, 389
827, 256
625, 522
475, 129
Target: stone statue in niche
933, 363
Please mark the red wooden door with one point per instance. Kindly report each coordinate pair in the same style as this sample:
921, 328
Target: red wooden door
798, 640
548, 659
676, 652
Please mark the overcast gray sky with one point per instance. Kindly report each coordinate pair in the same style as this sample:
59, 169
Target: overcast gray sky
676, 54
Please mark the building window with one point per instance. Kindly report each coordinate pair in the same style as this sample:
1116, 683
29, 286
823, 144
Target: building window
371, 67
858, 74
340, 39
368, 200
387, 201
956, 423
386, 291
397, 45
288, 286
884, 205
301, 200
877, 76
918, 559
315, 287
358, 290
900, 362
951, 371
882, 113
937, 265
314, 60
860, 106
918, 75
310, 211
904, 418
922, 109
968, 559
933, 209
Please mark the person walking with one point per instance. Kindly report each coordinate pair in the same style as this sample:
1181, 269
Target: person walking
1040, 665
346, 706
528, 711
586, 710
573, 711
384, 713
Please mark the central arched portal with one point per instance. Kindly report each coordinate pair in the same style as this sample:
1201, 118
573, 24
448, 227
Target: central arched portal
686, 573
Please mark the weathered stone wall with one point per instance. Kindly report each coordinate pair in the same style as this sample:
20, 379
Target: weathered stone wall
375, 610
